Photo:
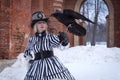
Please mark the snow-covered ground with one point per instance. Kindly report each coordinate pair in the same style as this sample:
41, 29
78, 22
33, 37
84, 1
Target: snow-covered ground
84, 62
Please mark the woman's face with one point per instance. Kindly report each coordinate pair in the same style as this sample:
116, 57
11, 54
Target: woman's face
41, 26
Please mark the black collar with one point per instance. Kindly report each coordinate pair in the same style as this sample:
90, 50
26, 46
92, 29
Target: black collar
38, 34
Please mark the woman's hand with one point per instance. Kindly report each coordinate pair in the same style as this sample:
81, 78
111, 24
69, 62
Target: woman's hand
63, 38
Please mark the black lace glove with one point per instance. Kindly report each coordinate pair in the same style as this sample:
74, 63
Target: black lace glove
63, 38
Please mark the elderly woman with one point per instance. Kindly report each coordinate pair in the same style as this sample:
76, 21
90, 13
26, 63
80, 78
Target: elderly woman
44, 65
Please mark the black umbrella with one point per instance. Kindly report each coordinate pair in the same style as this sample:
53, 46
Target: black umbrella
67, 17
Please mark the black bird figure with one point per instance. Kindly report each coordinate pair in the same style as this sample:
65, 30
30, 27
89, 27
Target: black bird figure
67, 17
76, 15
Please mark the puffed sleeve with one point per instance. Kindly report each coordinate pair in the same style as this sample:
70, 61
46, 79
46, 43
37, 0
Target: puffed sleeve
54, 40
27, 51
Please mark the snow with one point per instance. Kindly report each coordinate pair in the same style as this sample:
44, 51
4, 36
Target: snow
84, 63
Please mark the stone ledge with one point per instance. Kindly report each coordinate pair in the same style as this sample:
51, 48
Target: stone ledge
6, 63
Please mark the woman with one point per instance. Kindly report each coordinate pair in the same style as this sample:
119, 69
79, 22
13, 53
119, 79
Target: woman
44, 65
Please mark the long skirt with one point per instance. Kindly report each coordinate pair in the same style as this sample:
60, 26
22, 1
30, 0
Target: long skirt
48, 69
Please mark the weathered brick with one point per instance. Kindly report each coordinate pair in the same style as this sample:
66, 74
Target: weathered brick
15, 19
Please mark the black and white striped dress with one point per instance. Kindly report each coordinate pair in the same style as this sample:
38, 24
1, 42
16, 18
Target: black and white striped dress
49, 68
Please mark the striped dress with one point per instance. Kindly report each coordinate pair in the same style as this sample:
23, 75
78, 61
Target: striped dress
49, 68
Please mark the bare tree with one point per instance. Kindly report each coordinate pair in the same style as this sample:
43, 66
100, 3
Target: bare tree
85, 11
97, 11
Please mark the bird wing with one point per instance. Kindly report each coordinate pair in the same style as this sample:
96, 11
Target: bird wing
76, 15
77, 29
68, 19
64, 19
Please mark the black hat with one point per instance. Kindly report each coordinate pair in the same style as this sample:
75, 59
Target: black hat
38, 16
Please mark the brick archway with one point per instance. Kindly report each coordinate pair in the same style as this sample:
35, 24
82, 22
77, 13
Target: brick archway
15, 18
110, 22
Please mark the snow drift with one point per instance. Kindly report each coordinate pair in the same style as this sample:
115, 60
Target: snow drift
84, 62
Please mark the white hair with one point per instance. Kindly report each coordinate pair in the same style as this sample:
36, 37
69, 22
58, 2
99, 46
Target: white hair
35, 27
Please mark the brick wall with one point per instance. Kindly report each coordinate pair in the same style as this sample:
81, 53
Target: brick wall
4, 28
15, 19
14, 22
19, 25
116, 4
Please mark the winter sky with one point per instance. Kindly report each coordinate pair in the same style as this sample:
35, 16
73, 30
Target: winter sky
91, 10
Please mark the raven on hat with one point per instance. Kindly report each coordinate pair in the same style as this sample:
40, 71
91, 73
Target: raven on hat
67, 17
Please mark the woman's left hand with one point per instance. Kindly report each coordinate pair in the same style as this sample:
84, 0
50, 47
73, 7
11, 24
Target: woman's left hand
63, 38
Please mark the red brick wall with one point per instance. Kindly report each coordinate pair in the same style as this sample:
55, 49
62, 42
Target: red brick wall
15, 19
19, 25
36, 5
14, 22
4, 28
116, 4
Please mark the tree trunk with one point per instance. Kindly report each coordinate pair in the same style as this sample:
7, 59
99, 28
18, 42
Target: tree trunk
93, 42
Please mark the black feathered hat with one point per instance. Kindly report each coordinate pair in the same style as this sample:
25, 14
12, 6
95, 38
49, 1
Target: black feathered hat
38, 16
